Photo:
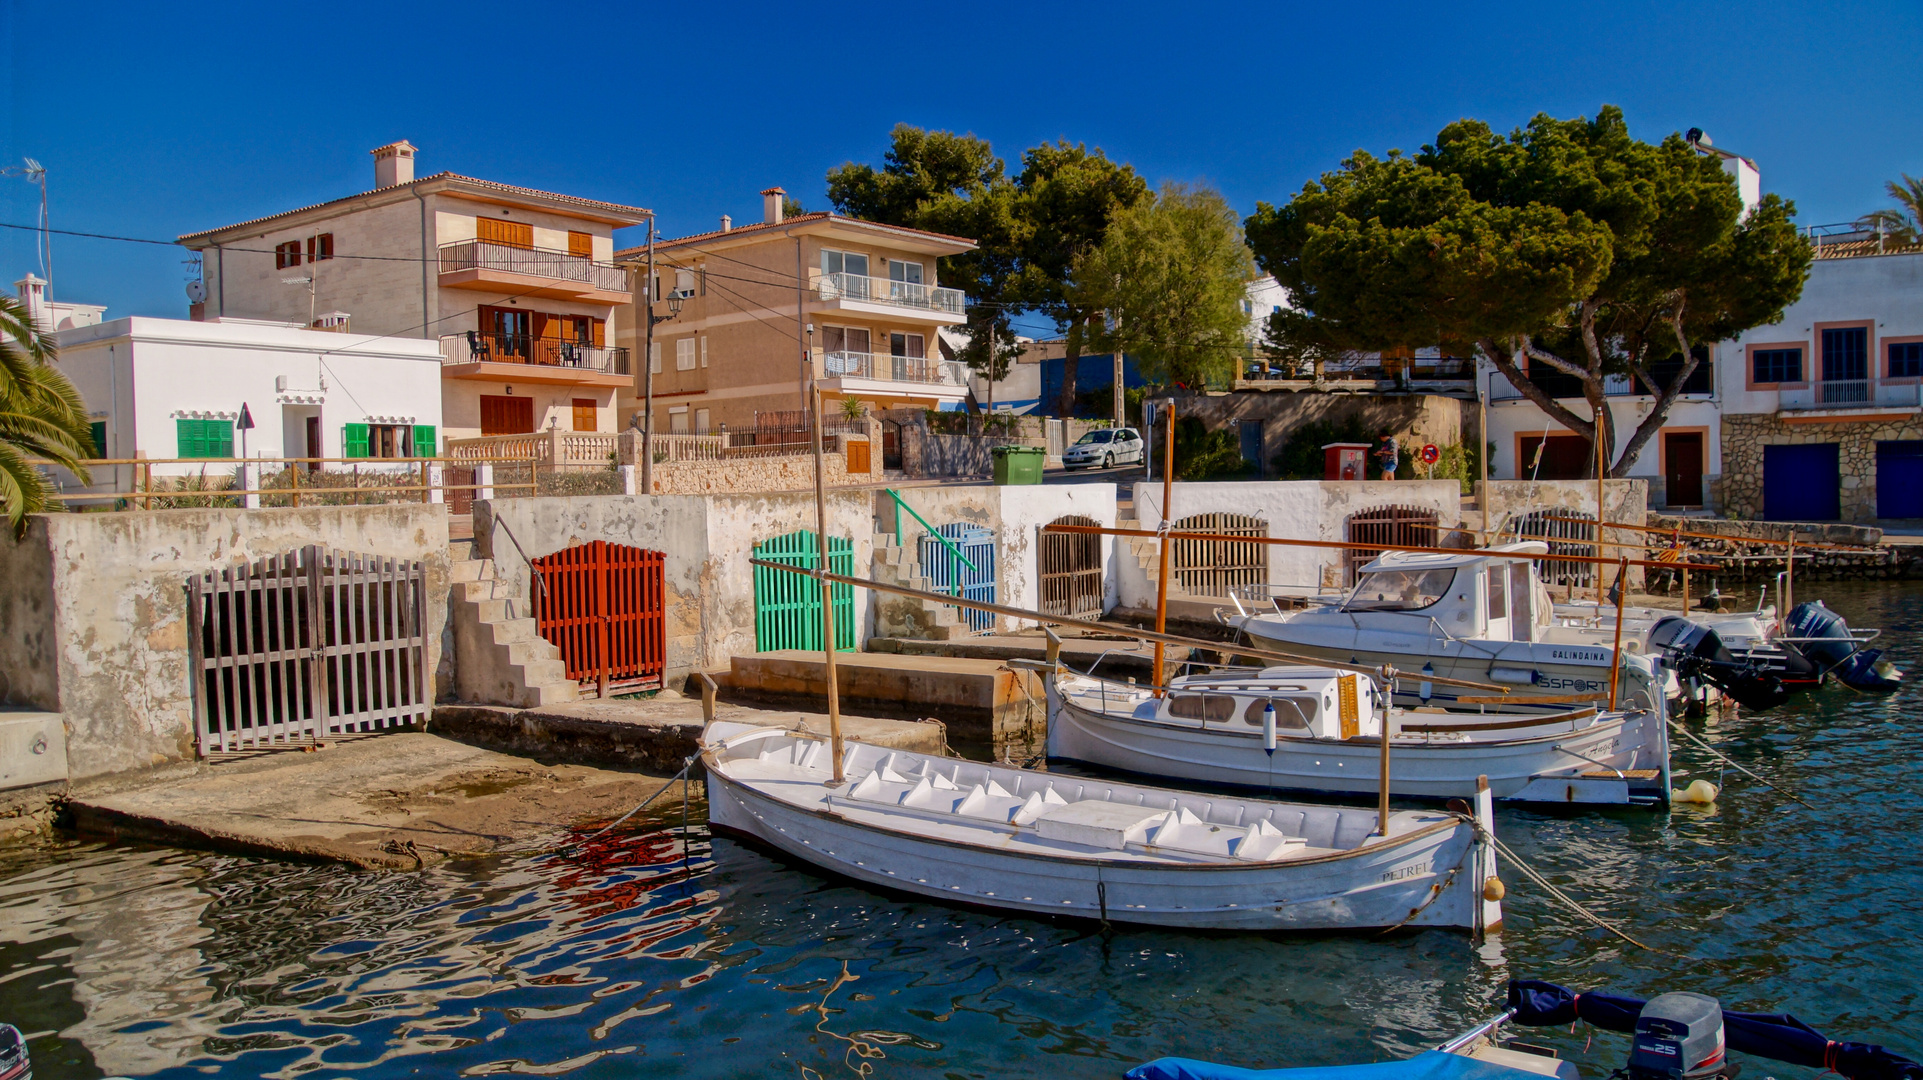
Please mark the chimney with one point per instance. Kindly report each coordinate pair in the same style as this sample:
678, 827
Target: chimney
771, 201
33, 297
393, 164
726, 223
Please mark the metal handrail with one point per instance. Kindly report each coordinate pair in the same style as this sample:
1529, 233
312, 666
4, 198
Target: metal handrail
902, 504
538, 578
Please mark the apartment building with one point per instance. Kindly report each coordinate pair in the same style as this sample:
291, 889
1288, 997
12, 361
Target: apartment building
517, 286
746, 297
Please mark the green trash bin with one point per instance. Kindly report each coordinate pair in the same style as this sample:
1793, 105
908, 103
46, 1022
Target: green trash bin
1019, 464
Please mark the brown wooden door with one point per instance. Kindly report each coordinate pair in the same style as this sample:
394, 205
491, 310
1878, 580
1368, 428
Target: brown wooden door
1683, 468
506, 415
587, 416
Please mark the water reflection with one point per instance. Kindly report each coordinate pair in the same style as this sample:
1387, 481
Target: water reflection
633, 955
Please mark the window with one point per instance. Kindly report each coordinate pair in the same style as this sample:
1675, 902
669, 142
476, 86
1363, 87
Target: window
904, 280
1498, 595
1776, 366
98, 429
704, 350
913, 345
701, 421
1906, 360
506, 415
654, 357
1203, 707
684, 282
1291, 713
844, 262
320, 247
684, 354
514, 234
580, 244
847, 349
678, 420
1248, 307
1846, 354
203, 438
286, 255
587, 415
378, 440
1399, 590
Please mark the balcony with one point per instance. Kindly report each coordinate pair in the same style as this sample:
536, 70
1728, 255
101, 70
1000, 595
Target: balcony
1364, 375
1849, 399
482, 264
883, 296
515, 358
881, 373
1556, 384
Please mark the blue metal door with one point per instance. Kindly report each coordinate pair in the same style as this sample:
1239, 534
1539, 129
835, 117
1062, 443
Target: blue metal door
973, 579
1802, 483
1899, 479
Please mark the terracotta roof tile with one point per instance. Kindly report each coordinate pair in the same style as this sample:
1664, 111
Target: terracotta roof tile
506, 189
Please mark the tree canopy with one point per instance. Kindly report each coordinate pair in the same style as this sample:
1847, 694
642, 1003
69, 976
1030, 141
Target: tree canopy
1902, 223
1568, 244
41, 416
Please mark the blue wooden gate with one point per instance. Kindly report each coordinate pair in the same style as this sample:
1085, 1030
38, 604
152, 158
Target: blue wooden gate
788, 606
948, 574
1802, 483
1899, 479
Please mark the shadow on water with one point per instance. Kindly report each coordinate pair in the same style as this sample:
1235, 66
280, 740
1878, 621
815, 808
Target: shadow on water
628, 956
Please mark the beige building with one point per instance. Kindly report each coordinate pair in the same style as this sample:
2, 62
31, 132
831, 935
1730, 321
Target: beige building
518, 286
731, 354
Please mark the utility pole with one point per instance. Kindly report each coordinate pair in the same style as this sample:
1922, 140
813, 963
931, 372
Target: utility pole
1121, 419
647, 369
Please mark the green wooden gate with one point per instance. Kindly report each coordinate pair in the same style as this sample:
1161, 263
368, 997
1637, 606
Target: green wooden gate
788, 606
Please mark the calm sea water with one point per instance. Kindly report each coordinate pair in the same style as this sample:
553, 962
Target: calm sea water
636, 958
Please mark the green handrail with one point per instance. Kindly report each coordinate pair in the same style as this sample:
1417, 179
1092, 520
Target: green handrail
902, 504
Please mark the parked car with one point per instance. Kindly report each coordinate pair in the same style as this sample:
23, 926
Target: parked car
1104, 448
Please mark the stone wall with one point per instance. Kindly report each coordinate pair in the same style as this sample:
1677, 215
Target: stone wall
747, 474
1745, 435
1624, 501
1417, 418
93, 611
1741, 558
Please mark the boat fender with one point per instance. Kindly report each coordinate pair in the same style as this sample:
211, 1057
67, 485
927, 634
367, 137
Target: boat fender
1699, 791
1268, 728
1493, 890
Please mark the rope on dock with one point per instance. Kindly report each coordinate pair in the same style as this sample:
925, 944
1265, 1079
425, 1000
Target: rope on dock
1724, 758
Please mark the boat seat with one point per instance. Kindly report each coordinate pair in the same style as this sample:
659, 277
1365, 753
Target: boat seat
1096, 823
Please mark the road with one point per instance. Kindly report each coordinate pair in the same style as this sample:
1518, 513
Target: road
1121, 474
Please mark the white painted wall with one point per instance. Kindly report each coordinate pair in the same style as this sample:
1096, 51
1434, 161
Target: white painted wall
140, 375
1885, 289
1024, 510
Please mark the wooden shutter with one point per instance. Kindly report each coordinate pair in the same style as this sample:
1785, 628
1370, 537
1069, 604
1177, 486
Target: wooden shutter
424, 444
598, 327
506, 415
220, 438
517, 234
587, 416
188, 442
580, 243
354, 440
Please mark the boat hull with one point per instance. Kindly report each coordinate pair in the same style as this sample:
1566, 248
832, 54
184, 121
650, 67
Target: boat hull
1546, 769
1430, 877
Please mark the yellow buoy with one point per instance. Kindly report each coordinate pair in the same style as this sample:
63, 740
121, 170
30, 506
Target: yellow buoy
1698, 791
1492, 890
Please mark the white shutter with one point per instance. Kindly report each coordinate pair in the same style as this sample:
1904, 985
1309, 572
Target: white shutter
654, 357
704, 350
684, 354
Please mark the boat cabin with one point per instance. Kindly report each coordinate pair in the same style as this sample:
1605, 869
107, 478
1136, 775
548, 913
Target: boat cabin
1490, 593
1309, 703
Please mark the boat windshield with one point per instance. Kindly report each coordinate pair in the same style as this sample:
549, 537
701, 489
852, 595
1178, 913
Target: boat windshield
1290, 712
1399, 590
1101, 435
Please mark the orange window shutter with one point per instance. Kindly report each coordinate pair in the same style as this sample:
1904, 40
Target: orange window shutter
580, 243
586, 415
518, 234
599, 330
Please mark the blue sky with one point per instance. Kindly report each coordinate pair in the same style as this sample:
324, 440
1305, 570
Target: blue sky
158, 119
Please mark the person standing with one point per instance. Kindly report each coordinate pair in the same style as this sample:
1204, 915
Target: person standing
1389, 454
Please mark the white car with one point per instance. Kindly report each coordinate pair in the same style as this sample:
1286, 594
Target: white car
1105, 448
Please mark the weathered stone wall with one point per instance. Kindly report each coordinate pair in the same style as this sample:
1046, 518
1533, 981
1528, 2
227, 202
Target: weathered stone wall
93, 623
786, 472
1741, 558
1745, 436
1417, 418
1624, 501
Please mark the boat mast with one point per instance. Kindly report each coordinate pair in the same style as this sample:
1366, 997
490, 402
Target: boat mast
1161, 585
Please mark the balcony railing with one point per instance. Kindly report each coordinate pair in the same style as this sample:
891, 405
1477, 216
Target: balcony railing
473, 347
913, 369
534, 262
1850, 394
1559, 385
886, 291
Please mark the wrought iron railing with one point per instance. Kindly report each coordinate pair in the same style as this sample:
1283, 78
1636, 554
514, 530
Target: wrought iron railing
534, 262
887, 291
522, 349
1850, 394
916, 369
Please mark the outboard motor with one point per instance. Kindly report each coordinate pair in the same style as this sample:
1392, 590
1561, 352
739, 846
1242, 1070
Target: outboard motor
1825, 638
1694, 651
1678, 1037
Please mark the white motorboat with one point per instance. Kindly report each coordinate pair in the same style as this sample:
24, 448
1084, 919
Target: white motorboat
1316, 730
1482, 616
1042, 844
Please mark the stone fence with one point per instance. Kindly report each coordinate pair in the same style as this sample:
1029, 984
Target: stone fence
1743, 558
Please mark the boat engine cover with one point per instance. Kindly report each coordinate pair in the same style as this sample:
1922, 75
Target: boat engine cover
1696, 651
1678, 1037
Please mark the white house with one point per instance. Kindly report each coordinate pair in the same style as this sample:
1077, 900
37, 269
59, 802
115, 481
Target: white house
168, 389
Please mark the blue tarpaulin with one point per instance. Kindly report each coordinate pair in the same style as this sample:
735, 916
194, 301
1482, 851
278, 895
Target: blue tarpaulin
1432, 1065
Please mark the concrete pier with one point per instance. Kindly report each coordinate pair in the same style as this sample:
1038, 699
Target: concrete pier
980, 701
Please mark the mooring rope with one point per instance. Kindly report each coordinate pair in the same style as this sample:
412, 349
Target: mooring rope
1724, 758
682, 776
1571, 902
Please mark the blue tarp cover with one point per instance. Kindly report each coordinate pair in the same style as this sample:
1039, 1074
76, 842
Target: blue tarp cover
1431, 1065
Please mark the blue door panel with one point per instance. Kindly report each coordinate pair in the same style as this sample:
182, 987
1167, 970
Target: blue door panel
1802, 483
1899, 479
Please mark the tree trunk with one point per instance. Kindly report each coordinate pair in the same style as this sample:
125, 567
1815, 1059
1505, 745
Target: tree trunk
1072, 358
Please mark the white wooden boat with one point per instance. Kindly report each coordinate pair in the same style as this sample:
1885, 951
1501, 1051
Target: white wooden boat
1316, 730
1042, 844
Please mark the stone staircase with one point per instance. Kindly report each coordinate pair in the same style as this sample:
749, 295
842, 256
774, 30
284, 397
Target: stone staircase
500, 658
906, 616
1147, 550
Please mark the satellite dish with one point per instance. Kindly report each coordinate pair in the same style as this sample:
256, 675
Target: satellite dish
197, 291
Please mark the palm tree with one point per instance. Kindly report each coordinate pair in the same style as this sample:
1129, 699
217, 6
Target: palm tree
42, 416
1902, 223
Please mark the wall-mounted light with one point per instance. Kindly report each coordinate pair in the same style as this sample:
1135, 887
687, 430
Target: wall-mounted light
510, 391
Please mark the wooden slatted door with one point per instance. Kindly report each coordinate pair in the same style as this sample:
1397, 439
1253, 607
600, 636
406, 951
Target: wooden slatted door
948, 574
311, 642
1392, 525
1217, 567
788, 606
1069, 566
1564, 538
603, 606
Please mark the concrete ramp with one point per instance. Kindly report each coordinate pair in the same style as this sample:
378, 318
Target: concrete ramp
980, 700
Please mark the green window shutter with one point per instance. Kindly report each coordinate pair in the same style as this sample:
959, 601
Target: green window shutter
424, 444
220, 438
99, 430
353, 440
188, 440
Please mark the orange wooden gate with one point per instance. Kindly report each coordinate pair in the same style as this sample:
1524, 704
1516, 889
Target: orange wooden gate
601, 604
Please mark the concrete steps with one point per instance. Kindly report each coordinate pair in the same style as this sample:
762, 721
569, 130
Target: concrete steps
905, 616
500, 656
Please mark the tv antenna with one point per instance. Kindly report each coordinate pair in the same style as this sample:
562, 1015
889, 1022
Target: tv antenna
36, 173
